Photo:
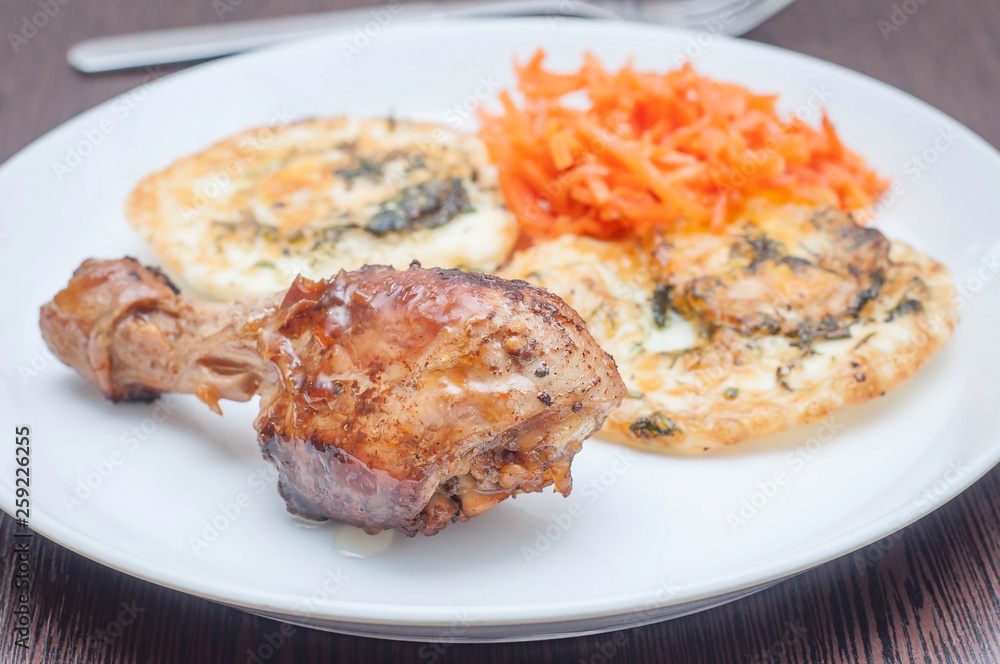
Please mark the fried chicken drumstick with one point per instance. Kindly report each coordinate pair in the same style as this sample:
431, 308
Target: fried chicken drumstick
389, 399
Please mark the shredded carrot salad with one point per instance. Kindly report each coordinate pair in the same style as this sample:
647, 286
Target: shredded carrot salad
653, 150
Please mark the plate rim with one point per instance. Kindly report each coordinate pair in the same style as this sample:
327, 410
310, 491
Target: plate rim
529, 614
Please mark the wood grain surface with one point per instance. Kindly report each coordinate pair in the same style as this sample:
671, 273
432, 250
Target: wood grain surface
928, 594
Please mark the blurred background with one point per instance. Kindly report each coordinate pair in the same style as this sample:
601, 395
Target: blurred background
947, 53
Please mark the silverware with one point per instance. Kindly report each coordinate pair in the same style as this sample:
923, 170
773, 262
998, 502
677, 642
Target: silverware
141, 49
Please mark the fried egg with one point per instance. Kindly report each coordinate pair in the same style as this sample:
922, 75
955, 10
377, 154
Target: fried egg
773, 323
252, 212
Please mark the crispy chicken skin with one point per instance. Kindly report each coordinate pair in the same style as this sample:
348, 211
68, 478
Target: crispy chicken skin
389, 399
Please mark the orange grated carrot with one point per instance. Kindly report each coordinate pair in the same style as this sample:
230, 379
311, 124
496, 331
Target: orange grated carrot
653, 150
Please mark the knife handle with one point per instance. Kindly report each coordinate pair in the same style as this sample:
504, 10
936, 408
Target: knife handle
212, 41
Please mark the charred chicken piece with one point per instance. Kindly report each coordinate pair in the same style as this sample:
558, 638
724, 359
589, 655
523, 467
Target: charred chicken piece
389, 399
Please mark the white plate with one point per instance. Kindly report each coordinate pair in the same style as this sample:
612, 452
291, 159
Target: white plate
642, 537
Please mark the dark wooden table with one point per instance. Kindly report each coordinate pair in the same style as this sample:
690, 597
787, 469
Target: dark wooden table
929, 594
